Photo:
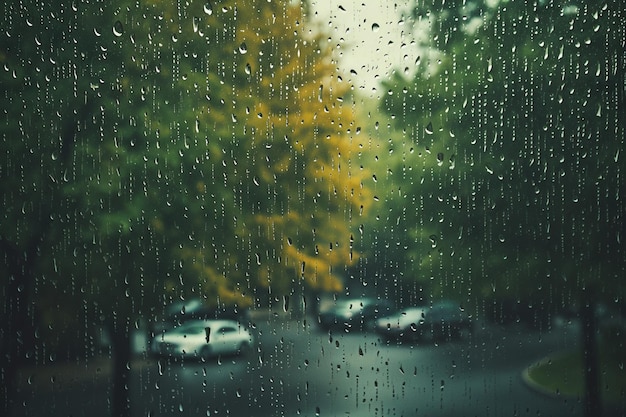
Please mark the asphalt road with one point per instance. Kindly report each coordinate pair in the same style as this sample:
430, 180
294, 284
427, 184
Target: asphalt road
298, 370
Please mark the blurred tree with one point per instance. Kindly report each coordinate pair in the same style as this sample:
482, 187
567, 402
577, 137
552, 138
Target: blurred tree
387, 234
152, 151
516, 113
299, 195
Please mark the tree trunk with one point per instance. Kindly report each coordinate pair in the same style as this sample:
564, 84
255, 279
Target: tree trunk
120, 337
592, 402
14, 319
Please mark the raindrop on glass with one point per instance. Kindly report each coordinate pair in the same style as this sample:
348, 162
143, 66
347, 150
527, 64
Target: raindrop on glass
208, 8
118, 29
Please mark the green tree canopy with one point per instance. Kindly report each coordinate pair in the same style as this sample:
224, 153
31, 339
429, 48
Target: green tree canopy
156, 150
516, 118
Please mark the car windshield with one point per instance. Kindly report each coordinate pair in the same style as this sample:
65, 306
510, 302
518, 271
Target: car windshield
268, 208
191, 330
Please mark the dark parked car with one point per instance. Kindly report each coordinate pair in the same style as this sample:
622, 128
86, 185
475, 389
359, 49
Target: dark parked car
354, 314
444, 320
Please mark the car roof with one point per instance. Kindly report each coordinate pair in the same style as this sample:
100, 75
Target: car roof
359, 301
210, 323
409, 310
445, 304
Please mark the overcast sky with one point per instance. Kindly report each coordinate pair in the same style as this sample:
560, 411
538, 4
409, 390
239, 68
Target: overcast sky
372, 38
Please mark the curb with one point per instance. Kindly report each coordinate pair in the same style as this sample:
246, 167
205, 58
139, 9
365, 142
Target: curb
535, 386
609, 408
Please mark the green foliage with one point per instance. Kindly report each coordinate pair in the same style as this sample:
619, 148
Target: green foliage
516, 116
153, 150
563, 374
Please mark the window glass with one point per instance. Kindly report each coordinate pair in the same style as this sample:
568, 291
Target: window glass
410, 208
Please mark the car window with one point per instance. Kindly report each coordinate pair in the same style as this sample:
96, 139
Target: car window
393, 208
226, 330
193, 330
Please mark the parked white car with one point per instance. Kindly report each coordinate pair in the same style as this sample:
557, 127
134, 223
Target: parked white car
443, 320
202, 339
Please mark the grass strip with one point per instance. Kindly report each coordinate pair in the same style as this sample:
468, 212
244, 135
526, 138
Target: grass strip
563, 374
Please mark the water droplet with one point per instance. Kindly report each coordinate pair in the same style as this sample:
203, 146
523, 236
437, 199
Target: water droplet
243, 48
208, 8
375, 27
118, 29
195, 22
429, 128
